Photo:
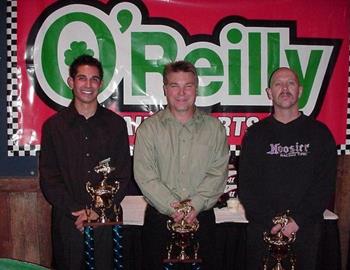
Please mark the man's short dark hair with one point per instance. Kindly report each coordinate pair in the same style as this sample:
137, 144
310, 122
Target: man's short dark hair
178, 66
85, 60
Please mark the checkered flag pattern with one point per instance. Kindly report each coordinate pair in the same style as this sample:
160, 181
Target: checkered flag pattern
235, 150
13, 99
344, 149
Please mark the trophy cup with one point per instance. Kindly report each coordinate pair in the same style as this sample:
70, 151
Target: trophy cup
279, 245
102, 193
182, 238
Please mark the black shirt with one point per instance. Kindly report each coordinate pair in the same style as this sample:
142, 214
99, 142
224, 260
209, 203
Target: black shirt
70, 149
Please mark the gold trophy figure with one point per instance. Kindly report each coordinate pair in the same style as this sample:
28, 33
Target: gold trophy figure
279, 245
182, 236
102, 193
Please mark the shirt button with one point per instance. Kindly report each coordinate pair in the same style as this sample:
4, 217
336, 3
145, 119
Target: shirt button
86, 138
89, 172
87, 154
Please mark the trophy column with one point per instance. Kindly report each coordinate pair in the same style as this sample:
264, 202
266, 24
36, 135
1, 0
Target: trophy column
89, 247
117, 246
89, 244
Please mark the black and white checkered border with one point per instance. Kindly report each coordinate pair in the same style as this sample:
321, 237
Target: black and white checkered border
235, 150
344, 149
13, 99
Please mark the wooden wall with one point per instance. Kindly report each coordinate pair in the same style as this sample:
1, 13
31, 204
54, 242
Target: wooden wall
25, 222
342, 207
25, 218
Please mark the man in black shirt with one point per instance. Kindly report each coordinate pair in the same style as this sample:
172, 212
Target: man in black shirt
74, 141
288, 162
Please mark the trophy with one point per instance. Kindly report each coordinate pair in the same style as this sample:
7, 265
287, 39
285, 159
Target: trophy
280, 245
103, 194
182, 237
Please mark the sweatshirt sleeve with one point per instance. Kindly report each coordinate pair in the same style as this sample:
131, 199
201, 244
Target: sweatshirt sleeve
321, 189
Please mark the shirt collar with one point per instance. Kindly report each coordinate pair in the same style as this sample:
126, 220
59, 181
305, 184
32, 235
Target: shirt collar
196, 118
72, 116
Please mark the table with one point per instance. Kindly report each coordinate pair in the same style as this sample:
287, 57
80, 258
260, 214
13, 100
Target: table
230, 236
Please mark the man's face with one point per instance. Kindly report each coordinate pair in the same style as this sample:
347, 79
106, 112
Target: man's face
180, 91
284, 90
86, 84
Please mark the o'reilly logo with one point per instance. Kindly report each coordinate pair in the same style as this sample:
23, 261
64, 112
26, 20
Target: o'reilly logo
233, 63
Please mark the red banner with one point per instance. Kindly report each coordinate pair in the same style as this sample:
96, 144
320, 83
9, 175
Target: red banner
235, 45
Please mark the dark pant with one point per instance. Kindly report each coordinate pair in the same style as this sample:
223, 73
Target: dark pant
156, 236
68, 246
305, 247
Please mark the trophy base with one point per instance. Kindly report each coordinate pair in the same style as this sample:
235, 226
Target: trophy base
95, 224
175, 260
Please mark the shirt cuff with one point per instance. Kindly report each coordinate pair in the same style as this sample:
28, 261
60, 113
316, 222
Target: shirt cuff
197, 203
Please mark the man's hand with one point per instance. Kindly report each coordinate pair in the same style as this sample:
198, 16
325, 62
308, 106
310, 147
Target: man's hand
291, 228
81, 217
176, 215
179, 215
191, 216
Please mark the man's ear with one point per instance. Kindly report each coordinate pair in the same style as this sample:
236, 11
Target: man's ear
70, 82
268, 92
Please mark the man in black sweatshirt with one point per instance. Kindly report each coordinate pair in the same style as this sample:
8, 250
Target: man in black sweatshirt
287, 163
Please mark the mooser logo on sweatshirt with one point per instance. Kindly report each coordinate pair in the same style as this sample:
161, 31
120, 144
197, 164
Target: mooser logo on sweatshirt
294, 150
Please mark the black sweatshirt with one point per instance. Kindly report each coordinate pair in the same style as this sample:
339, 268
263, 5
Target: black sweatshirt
287, 167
